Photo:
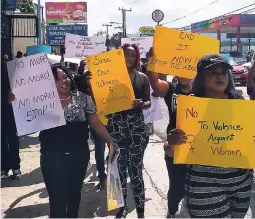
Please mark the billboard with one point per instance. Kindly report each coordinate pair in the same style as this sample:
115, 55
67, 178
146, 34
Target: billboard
231, 20
66, 12
55, 34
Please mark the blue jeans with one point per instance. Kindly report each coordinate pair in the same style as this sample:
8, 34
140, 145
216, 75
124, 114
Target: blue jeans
99, 155
176, 174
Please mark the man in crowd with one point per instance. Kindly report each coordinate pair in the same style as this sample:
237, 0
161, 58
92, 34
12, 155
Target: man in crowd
10, 159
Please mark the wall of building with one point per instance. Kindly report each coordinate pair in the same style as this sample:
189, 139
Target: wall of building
25, 27
21, 43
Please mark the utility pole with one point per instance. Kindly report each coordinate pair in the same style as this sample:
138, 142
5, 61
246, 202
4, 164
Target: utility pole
39, 14
107, 36
124, 20
107, 29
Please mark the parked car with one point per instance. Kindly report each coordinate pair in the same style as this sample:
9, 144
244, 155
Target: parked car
238, 57
240, 73
247, 65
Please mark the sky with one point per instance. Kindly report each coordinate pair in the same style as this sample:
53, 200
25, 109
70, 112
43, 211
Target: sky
105, 11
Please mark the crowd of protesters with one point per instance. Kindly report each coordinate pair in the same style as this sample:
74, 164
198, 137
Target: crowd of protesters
208, 191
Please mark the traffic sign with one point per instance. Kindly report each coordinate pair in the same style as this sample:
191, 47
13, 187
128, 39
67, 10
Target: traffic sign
157, 15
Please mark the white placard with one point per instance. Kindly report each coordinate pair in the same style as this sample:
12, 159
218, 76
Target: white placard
82, 46
37, 106
154, 113
144, 43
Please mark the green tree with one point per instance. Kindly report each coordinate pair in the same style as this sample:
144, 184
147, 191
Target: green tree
116, 39
27, 6
100, 33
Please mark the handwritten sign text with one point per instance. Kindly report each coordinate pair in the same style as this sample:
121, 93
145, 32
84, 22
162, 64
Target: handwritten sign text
217, 134
81, 46
37, 105
177, 52
110, 82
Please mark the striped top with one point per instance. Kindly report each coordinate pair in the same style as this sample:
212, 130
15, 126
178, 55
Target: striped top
204, 179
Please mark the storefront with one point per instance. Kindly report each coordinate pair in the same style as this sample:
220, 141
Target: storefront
236, 31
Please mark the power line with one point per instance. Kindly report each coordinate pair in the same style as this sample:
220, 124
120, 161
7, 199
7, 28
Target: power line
231, 12
204, 23
177, 19
134, 2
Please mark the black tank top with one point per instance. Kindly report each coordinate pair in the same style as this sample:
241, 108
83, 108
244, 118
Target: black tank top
138, 86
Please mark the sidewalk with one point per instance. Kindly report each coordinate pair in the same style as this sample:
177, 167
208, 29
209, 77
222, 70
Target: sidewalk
28, 198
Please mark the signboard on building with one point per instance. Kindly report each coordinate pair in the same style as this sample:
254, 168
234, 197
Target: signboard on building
55, 34
9, 5
147, 30
66, 12
216, 23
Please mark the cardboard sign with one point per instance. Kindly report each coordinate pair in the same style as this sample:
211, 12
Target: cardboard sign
102, 118
177, 52
110, 82
144, 44
220, 132
81, 46
37, 106
32, 50
154, 113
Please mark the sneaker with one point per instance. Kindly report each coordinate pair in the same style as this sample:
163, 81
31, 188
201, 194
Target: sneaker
169, 215
101, 185
122, 213
4, 174
16, 174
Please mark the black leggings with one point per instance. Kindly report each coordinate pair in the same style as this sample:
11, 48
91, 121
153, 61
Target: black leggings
10, 143
129, 132
176, 192
63, 176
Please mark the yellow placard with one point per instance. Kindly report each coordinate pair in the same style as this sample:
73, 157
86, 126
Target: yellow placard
220, 132
110, 82
177, 52
102, 117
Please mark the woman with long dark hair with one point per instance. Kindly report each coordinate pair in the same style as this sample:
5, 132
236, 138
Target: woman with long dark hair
214, 192
64, 149
128, 130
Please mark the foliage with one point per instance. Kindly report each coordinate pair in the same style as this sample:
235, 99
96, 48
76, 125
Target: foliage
116, 39
100, 33
27, 6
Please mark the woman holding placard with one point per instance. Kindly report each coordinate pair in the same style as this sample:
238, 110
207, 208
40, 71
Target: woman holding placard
64, 149
128, 129
214, 192
176, 172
